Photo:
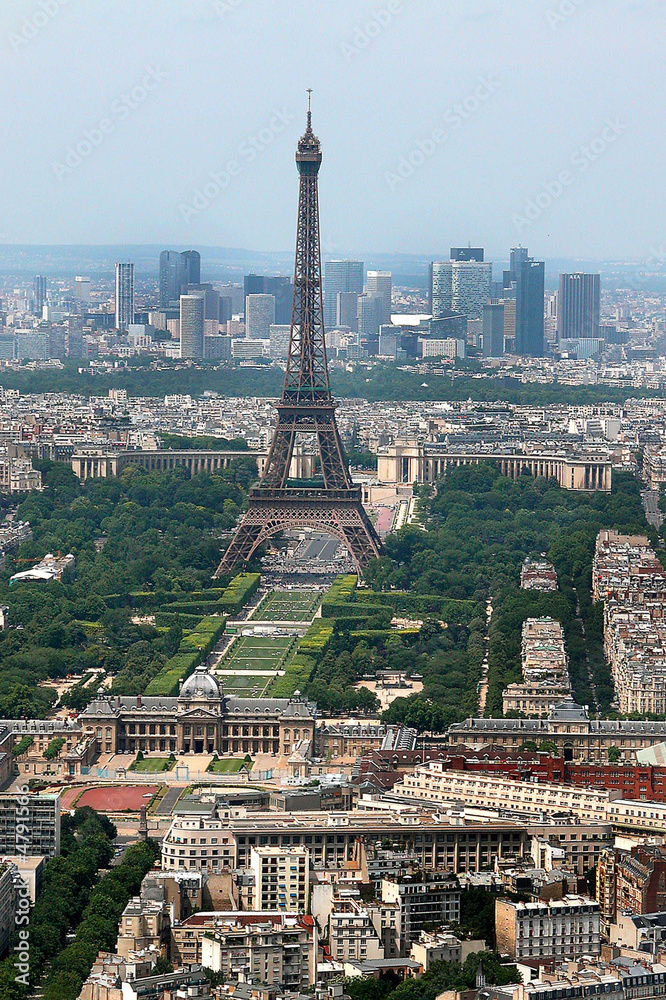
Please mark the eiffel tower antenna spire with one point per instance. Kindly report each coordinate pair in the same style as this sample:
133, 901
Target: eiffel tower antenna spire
330, 503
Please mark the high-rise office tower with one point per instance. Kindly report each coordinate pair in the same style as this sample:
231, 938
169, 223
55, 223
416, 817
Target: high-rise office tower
471, 283
211, 299
259, 316
467, 254
254, 284
346, 312
462, 284
493, 330
82, 288
340, 276
379, 284
192, 308
191, 265
517, 257
389, 340
510, 324
177, 271
39, 293
578, 306
369, 321
530, 277
441, 287
124, 295
226, 308
170, 278
281, 288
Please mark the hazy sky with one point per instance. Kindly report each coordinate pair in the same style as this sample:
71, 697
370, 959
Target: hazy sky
443, 122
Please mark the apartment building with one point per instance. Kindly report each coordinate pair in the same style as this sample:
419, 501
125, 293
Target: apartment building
438, 841
423, 900
335, 741
629, 579
352, 933
14, 893
276, 948
558, 929
164, 900
281, 878
434, 783
631, 882
582, 843
545, 665
443, 947
539, 575
654, 466
568, 726
30, 824
582, 983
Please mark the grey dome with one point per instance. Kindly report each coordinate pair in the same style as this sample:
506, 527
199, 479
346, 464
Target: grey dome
200, 685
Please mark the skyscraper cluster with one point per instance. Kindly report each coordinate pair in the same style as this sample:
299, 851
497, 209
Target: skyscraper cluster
354, 305
177, 272
507, 315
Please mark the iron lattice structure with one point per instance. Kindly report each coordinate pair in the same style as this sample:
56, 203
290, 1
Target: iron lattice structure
306, 407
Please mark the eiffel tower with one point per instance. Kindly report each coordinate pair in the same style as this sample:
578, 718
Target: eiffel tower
330, 503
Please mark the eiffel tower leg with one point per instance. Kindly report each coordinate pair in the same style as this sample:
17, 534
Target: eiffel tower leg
360, 537
332, 454
276, 472
240, 547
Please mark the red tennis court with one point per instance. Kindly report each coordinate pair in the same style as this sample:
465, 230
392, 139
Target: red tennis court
116, 798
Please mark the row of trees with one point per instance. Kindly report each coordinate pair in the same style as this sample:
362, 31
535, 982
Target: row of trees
383, 382
74, 897
480, 527
140, 531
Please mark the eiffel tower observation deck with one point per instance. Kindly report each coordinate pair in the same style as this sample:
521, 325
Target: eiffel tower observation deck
330, 503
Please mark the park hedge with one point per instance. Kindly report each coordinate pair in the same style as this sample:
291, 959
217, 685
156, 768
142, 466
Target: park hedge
194, 647
342, 588
163, 619
404, 603
380, 636
179, 666
297, 676
199, 608
316, 639
239, 592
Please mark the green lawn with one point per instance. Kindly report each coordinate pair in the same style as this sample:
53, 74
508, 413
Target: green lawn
151, 765
288, 606
229, 765
257, 653
245, 682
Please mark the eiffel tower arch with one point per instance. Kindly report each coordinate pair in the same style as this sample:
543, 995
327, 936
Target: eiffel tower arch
332, 503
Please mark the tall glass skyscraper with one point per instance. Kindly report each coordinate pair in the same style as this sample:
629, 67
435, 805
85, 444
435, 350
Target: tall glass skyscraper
530, 278
340, 276
281, 288
39, 293
124, 295
441, 287
177, 271
471, 285
462, 284
379, 285
191, 262
578, 306
192, 325
259, 316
